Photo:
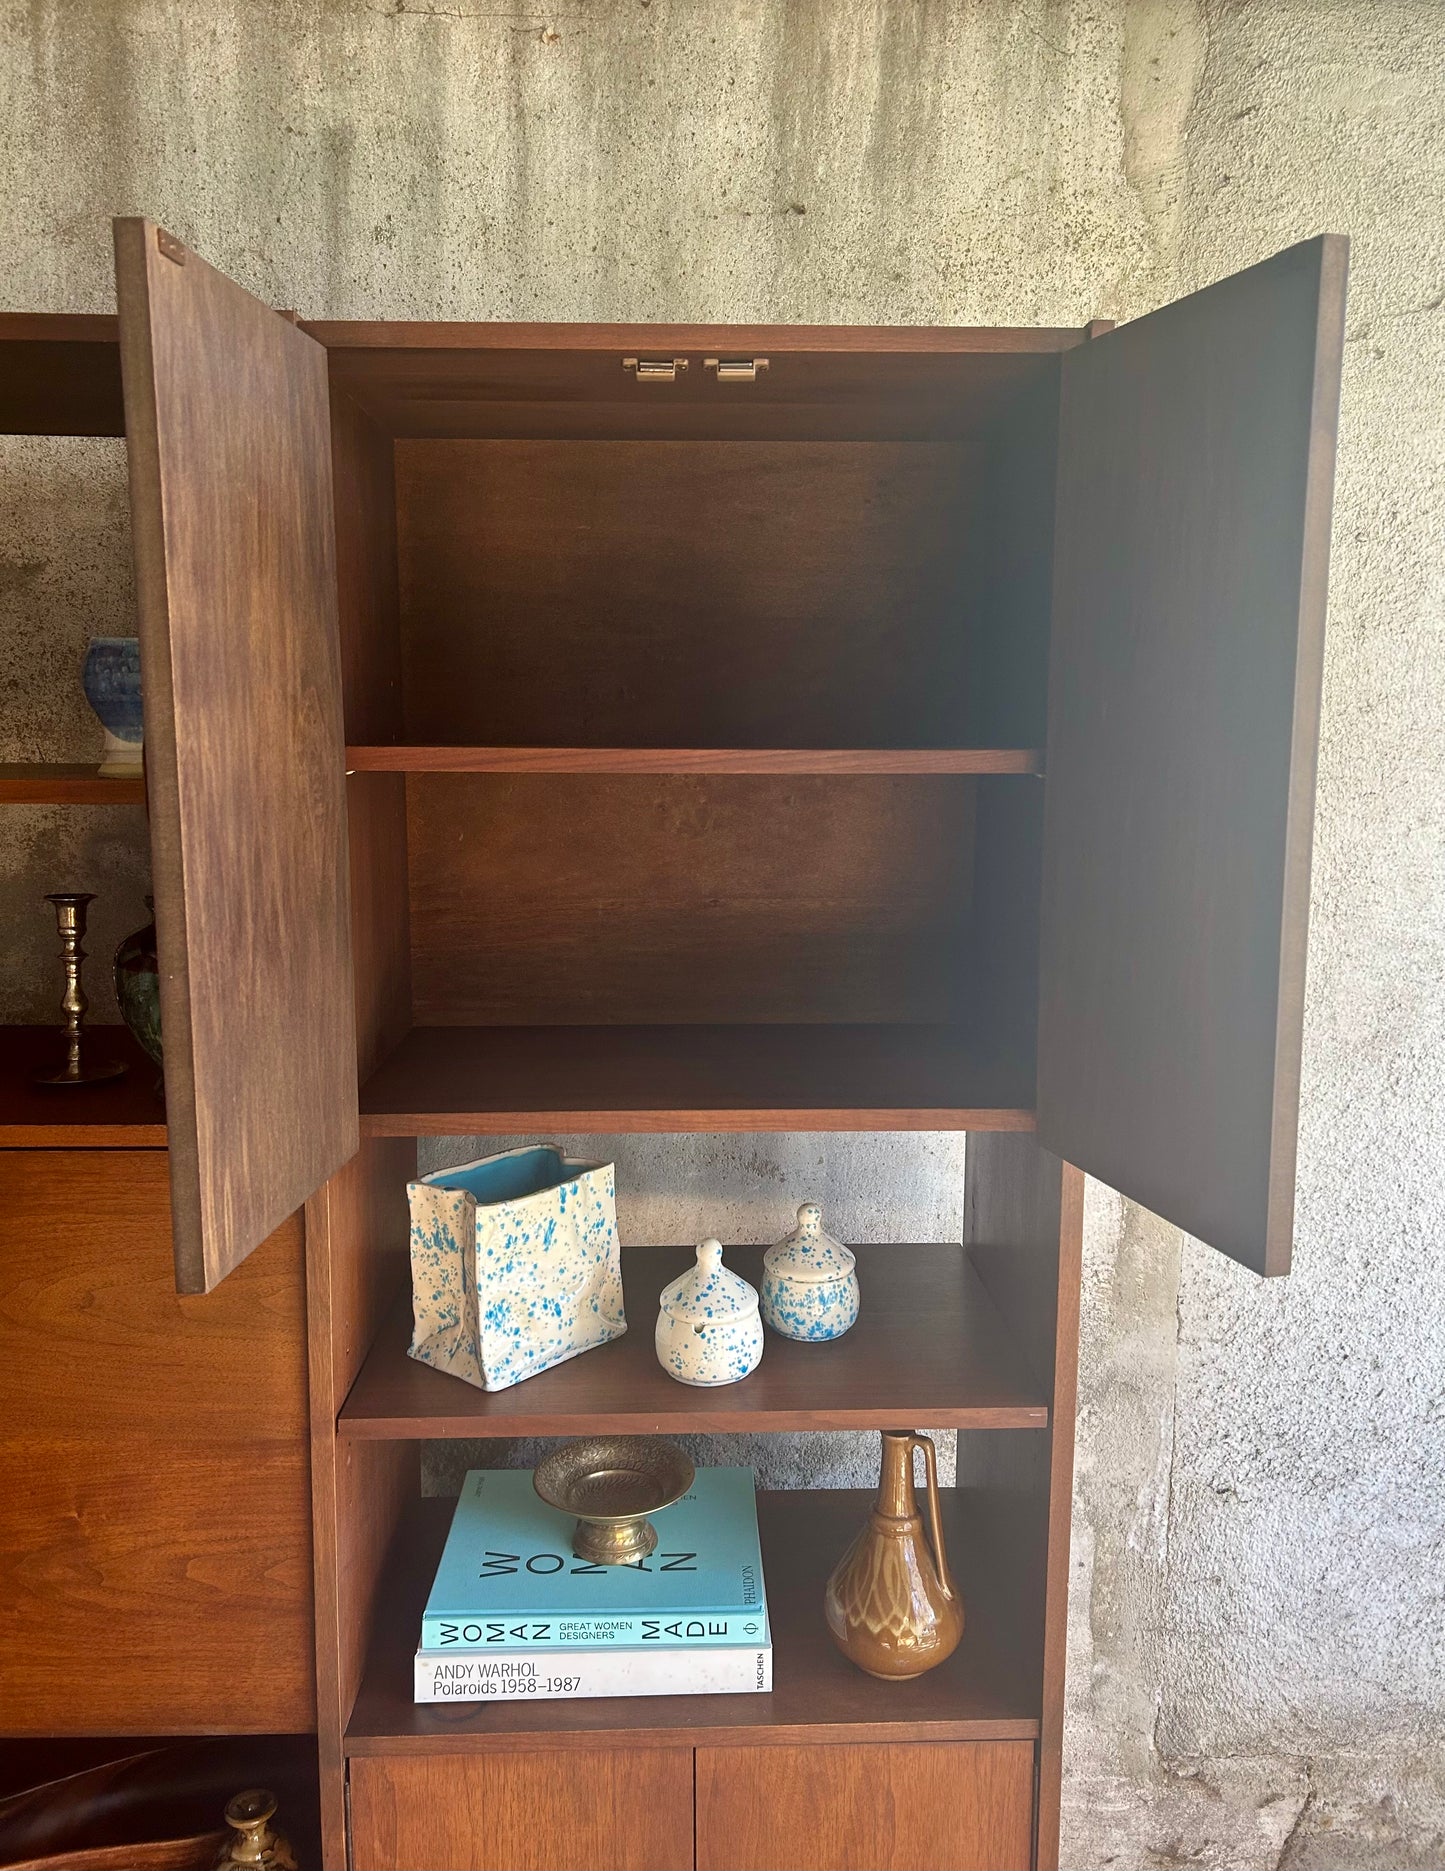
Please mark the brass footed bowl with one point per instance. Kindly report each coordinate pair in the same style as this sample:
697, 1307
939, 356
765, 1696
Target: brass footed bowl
612, 1483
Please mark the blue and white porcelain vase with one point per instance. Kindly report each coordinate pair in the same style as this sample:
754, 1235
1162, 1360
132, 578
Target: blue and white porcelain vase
514, 1265
111, 680
708, 1329
810, 1282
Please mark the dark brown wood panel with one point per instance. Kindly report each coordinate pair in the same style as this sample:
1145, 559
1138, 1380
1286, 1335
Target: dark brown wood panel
1195, 471
568, 899
60, 374
747, 760
474, 1080
1024, 1230
366, 573
606, 1809
500, 382
125, 1113
965, 1806
155, 1536
987, 1690
228, 427
772, 594
357, 1232
929, 1347
867, 342
380, 914
67, 783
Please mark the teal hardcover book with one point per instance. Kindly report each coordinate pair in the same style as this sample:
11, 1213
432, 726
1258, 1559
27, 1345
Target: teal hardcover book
508, 1579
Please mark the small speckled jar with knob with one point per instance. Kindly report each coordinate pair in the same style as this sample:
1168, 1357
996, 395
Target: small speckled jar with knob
708, 1328
810, 1282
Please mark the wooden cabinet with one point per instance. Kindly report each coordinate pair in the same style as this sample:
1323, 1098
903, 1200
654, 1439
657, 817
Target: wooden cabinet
961, 1806
549, 1811
915, 733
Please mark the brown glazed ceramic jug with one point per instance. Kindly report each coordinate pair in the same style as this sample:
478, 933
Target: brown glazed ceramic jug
892, 1605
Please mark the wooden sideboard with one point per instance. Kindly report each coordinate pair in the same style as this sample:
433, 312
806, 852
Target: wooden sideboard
669, 728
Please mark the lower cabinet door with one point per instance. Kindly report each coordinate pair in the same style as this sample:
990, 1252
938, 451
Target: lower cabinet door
559, 1809
927, 1806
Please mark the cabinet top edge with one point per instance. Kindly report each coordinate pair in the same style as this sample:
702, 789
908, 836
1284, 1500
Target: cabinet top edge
443, 335
341, 334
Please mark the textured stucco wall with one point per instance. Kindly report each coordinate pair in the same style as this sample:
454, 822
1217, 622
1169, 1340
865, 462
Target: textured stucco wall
1256, 1628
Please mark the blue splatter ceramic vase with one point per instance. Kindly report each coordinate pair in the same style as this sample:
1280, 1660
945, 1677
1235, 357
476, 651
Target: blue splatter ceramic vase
514, 1265
708, 1329
810, 1282
111, 680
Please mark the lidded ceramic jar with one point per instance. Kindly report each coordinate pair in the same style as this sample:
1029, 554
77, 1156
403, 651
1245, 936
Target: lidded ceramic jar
810, 1282
708, 1328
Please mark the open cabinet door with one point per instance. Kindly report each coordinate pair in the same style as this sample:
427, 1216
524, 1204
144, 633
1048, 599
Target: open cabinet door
1196, 463
228, 432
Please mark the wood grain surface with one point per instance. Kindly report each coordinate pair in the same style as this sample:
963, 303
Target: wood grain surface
1195, 474
471, 1081
1023, 1227
988, 1689
929, 1347
569, 899
965, 1806
561, 384
60, 374
606, 1809
228, 431
126, 1113
869, 342
777, 594
65, 783
406, 758
357, 1233
154, 1510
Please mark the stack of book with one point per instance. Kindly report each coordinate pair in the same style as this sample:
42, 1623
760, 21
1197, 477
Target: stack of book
512, 1612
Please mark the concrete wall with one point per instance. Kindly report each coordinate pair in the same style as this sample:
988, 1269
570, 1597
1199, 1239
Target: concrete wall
1257, 1623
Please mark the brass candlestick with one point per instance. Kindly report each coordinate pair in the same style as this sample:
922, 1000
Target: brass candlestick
78, 1069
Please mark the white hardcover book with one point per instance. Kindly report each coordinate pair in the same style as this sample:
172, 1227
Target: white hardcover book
550, 1675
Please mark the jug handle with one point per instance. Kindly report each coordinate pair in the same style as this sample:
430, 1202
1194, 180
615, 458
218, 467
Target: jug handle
935, 1523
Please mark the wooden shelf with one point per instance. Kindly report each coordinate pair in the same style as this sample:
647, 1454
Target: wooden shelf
665, 760
474, 1081
988, 1690
929, 1347
50, 783
119, 1114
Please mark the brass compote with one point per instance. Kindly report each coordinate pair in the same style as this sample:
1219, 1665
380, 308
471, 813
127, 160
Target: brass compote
612, 1483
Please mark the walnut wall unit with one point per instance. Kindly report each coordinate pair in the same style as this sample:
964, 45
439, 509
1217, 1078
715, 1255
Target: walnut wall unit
916, 734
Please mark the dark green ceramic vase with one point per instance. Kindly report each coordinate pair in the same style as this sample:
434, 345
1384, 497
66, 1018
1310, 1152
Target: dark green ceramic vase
138, 986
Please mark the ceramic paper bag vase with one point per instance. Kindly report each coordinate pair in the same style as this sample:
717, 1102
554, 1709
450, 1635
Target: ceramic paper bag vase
514, 1265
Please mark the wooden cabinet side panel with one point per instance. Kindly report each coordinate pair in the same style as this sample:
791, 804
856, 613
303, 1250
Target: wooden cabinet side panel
927, 1806
543, 1811
357, 1231
155, 1537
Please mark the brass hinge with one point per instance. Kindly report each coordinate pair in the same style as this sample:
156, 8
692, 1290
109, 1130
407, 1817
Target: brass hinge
655, 369
170, 246
736, 369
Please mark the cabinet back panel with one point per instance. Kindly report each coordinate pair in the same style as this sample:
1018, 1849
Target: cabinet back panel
617, 593
561, 899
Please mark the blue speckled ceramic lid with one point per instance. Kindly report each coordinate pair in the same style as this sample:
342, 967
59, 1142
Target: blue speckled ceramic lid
809, 1253
709, 1291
